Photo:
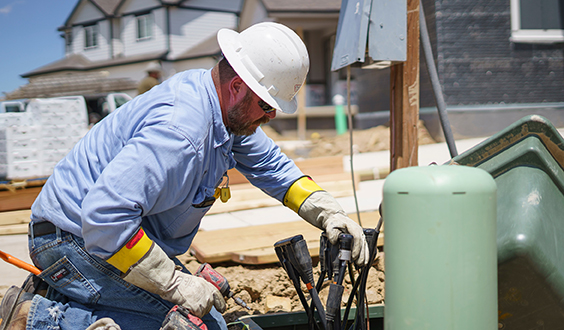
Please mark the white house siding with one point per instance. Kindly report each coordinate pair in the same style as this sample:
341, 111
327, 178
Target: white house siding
131, 6
102, 51
132, 47
86, 12
191, 27
77, 45
197, 63
227, 5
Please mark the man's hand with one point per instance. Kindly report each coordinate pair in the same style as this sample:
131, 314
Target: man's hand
157, 273
323, 211
147, 266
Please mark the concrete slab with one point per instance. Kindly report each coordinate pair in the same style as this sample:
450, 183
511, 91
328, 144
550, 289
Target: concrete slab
266, 215
379, 161
221, 221
16, 245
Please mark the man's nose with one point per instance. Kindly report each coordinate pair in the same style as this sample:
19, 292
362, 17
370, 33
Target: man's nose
271, 115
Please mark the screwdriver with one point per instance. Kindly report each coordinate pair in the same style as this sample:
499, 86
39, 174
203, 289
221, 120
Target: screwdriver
206, 272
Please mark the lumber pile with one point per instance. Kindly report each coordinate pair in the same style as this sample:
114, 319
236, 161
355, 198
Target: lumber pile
14, 222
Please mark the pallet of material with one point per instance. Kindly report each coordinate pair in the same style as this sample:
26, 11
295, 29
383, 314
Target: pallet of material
255, 244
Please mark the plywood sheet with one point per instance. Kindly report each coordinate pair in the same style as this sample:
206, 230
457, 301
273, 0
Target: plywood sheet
14, 217
19, 199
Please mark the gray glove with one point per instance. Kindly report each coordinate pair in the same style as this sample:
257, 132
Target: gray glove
156, 273
323, 211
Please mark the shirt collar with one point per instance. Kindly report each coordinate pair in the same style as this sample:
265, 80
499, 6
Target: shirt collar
220, 133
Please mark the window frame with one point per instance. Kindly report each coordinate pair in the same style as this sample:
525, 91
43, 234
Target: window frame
147, 24
91, 36
533, 36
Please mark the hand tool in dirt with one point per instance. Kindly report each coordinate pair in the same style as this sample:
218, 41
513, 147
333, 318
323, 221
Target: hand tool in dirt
19, 263
179, 318
296, 251
211, 275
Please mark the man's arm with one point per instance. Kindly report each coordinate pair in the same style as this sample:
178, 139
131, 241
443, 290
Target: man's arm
262, 162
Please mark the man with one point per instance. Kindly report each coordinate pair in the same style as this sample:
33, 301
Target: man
152, 79
131, 194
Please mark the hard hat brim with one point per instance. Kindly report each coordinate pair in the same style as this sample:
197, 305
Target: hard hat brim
228, 41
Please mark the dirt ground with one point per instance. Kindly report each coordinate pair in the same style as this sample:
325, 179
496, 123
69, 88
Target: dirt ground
320, 144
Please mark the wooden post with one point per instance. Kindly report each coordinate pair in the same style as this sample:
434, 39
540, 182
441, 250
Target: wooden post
301, 101
404, 97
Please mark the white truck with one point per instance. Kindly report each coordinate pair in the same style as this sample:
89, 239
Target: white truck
36, 134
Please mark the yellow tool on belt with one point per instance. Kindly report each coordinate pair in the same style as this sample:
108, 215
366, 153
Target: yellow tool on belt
224, 193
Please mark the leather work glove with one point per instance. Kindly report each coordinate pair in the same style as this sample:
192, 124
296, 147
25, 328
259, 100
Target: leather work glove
147, 266
319, 208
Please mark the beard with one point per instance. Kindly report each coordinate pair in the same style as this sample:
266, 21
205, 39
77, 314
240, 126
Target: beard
237, 117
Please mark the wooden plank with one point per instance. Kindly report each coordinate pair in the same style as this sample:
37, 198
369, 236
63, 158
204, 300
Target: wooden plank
245, 199
13, 229
221, 245
312, 166
404, 97
20, 199
14, 217
268, 256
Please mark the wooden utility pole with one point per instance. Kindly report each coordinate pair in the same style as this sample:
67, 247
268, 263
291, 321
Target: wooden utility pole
404, 97
301, 100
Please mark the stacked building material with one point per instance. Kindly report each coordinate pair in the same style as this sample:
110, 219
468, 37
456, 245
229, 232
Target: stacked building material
34, 141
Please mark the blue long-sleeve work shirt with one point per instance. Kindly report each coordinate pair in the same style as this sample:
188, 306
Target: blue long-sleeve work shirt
152, 163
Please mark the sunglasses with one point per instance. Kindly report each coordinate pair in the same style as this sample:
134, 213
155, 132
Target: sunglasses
265, 106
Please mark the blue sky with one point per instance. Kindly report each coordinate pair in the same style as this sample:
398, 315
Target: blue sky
29, 38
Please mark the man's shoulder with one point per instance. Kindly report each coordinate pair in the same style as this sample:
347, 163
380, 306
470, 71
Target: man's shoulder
193, 105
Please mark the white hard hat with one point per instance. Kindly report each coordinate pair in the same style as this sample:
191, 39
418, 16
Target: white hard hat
271, 59
153, 67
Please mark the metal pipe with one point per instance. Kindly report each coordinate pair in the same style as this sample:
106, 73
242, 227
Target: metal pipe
441, 105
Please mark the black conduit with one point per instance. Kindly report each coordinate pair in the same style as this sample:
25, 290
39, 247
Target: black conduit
441, 105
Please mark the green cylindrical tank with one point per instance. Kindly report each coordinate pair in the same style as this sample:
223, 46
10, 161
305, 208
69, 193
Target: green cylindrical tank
441, 255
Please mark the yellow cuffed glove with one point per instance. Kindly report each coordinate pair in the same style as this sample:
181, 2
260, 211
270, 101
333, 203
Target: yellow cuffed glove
320, 209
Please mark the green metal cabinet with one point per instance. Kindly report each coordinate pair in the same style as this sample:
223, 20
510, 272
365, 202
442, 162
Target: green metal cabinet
526, 160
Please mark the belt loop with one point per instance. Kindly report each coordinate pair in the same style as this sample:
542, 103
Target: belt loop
58, 230
31, 235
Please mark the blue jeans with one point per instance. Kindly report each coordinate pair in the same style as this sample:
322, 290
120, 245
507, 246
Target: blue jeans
84, 288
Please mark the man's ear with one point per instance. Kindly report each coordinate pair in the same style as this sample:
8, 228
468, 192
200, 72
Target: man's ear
237, 89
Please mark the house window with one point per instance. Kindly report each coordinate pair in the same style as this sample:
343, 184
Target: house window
537, 21
90, 36
144, 27
68, 41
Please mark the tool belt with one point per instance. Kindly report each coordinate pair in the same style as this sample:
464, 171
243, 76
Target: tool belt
41, 229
